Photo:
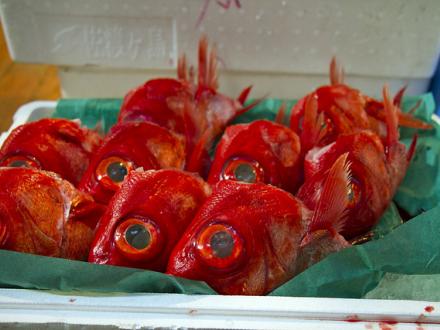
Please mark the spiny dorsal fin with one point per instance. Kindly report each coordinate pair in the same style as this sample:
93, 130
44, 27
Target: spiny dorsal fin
312, 123
397, 100
279, 119
244, 95
181, 68
330, 212
207, 70
391, 118
336, 72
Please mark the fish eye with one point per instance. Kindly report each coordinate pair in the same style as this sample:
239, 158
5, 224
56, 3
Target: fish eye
354, 193
138, 238
240, 169
20, 161
220, 246
111, 171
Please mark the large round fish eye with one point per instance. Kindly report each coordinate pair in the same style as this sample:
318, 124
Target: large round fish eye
245, 170
220, 246
354, 193
138, 238
111, 171
20, 161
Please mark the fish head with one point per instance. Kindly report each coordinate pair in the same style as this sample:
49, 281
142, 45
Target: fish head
151, 102
56, 145
43, 214
370, 188
129, 146
261, 151
244, 239
146, 218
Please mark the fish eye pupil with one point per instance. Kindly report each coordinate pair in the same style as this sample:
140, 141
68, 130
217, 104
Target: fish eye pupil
137, 236
19, 163
117, 171
222, 244
245, 172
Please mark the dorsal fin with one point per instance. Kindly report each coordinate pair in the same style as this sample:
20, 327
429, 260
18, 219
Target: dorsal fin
397, 100
336, 72
244, 95
330, 212
279, 119
312, 123
207, 69
181, 68
391, 118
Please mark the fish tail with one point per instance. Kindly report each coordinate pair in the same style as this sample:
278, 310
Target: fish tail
330, 213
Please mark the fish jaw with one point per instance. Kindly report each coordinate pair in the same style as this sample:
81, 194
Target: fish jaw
163, 201
267, 225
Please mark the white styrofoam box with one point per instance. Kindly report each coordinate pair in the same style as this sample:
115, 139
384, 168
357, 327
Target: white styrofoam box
134, 311
27, 308
281, 47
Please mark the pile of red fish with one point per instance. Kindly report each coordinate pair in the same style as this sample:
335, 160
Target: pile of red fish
273, 198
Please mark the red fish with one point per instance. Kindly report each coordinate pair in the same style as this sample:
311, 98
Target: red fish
249, 238
146, 218
55, 145
343, 110
43, 214
128, 146
195, 110
149, 102
261, 151
377, 169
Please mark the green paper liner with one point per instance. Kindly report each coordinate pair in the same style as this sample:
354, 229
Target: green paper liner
399, 261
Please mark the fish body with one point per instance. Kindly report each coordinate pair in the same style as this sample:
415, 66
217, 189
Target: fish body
128, 146
192, 108
151, 102
55, 145
146, 218
261, 151
42, 214
377, 166
249, 238
342, 109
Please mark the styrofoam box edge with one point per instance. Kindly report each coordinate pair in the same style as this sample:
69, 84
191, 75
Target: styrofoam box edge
131, 311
